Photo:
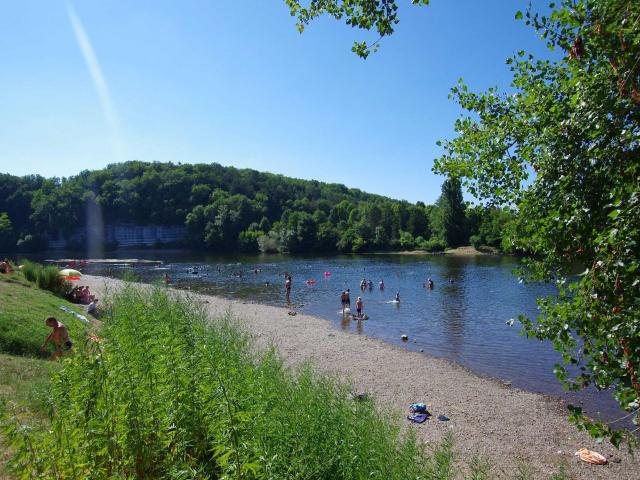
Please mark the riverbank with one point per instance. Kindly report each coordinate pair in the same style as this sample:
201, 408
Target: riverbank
507, 426
456, 252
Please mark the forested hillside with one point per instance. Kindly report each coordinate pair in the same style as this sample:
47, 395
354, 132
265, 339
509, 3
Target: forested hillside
227, 209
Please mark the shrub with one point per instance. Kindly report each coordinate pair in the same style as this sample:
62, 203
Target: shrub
433, 245
46, 278
165, 395
406, 241
29, 270
248, 241
269, 243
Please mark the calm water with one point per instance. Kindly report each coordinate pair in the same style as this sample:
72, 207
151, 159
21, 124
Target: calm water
463, 318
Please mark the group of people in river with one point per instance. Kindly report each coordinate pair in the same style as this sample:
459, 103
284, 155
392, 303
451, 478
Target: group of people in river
345, 299
345, 296
369, 284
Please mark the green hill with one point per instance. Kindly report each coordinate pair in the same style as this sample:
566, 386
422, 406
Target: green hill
223, 208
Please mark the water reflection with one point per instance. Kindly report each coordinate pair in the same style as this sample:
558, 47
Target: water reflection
454, 302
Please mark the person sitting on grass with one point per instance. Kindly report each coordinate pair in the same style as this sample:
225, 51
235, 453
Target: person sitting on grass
59, 337
5, 267
92, 308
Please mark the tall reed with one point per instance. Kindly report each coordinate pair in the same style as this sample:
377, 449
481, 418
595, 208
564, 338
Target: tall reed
29, 270
166, 394
45, 277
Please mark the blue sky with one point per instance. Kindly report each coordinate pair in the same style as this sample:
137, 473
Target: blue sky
233, 82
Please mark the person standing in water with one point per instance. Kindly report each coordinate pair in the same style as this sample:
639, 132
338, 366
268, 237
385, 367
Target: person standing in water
359, 306
430, 284
348, 298
287, 286
397, 300
343, 300
381, 284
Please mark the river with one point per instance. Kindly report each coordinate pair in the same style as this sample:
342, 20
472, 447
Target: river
464, 318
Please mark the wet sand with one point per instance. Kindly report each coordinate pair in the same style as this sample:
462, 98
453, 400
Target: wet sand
504, 425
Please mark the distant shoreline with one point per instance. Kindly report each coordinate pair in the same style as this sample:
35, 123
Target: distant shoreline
467, 251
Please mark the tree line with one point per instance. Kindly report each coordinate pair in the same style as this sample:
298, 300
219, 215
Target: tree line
241, 210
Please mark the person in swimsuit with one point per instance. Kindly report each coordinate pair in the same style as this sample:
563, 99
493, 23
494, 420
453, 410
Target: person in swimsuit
359, 306
287, 286
348, 298
343, 300
59, 337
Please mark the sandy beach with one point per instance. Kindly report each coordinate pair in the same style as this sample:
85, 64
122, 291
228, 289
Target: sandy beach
504, 425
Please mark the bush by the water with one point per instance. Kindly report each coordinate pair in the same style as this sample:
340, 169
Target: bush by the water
45, 277
433, 245
164, 394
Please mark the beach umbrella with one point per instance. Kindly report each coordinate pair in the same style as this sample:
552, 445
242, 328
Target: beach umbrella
70, 274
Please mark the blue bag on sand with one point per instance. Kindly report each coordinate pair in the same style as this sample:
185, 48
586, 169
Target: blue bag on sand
418, 417
418, 408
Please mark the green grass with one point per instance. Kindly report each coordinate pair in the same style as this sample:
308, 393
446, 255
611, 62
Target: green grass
23, 309
24, 383
166, 395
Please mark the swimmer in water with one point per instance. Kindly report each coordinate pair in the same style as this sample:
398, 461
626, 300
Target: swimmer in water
381, 284
397, 297
430, 284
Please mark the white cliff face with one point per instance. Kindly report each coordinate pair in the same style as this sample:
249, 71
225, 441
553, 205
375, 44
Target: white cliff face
126, 235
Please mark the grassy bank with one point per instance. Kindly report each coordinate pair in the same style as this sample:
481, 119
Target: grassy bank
24, 308
25, 380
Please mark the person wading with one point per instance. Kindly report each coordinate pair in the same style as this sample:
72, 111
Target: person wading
287, 286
